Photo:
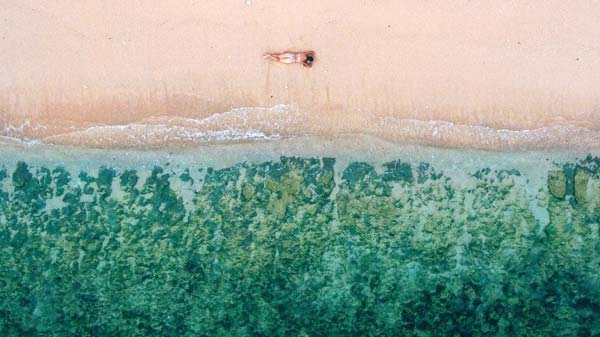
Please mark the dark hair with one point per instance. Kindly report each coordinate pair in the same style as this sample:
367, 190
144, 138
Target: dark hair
309, 58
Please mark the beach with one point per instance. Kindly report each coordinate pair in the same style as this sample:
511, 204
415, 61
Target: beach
436, 172
484, 75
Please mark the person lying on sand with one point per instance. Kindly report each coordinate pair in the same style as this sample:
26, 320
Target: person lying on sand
306, 58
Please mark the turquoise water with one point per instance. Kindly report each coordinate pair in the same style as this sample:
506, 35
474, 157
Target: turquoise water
306, 240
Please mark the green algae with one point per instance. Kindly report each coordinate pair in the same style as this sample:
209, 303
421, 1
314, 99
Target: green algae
299, 247
557, 184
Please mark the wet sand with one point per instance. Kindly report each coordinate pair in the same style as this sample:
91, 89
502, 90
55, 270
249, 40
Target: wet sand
485, 74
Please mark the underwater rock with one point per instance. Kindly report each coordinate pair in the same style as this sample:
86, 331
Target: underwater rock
582, 176
398, 171
21, 176
557, 184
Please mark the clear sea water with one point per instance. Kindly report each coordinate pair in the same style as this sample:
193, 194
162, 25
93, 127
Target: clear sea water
351, 236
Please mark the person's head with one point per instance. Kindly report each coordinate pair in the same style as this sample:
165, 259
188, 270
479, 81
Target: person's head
309, 60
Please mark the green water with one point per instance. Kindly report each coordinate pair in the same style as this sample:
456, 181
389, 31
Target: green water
458, 245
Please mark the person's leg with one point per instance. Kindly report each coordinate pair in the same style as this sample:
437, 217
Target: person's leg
271, 57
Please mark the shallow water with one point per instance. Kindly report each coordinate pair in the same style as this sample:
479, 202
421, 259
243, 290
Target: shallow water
344, 236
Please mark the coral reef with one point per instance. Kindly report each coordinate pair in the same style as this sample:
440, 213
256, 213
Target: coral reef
298, 247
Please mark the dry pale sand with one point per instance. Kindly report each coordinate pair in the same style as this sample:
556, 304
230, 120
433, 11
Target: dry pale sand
169, 69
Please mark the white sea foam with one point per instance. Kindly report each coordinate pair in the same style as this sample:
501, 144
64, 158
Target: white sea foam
17, 140
247, 124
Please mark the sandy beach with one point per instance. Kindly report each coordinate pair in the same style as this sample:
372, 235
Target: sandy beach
475, 74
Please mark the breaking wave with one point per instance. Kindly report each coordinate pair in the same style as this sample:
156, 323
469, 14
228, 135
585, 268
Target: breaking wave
249, 124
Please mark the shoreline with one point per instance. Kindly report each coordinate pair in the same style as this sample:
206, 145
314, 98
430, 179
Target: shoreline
247, 125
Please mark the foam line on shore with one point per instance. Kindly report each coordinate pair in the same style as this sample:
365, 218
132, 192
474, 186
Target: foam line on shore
248, 124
